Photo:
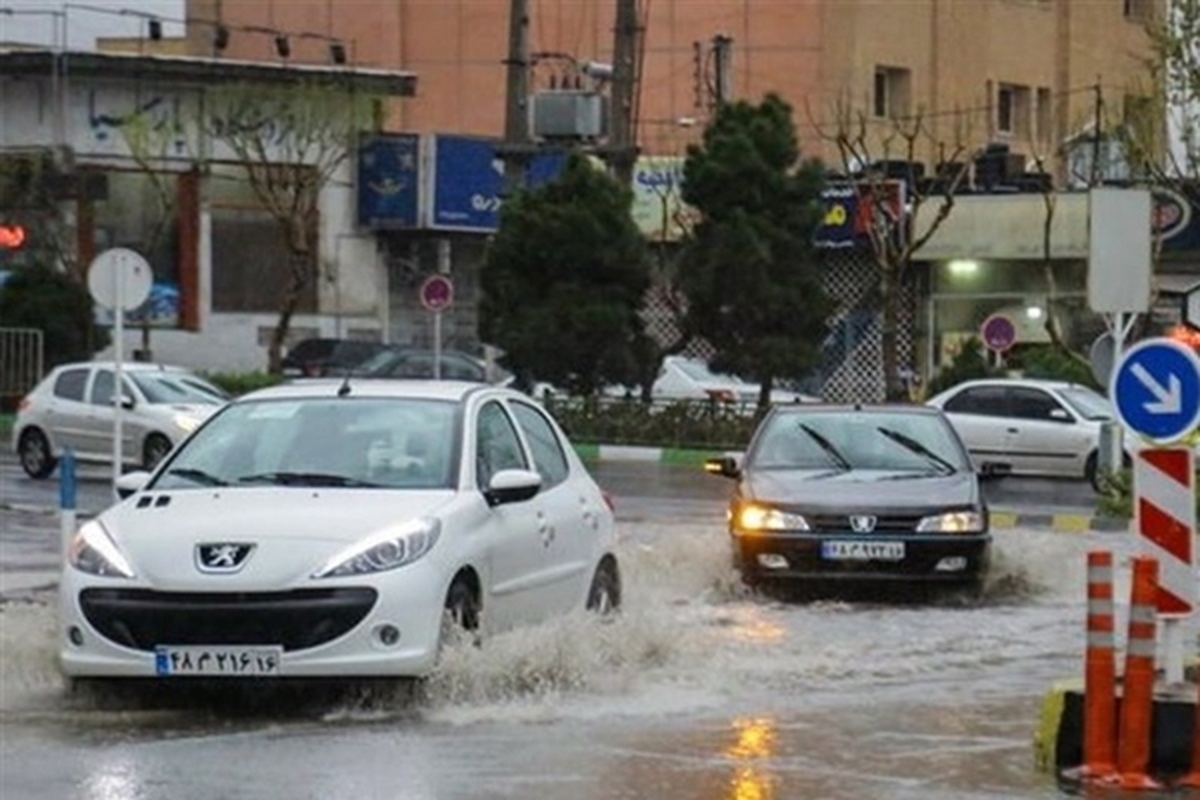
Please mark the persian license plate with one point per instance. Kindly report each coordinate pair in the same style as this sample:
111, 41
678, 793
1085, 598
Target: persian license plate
218, 661
862, 550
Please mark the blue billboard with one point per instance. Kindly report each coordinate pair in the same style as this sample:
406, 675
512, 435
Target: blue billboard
468, 178
389, 172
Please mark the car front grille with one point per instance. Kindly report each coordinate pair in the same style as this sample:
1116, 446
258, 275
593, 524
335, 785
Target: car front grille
840, 523
143, 619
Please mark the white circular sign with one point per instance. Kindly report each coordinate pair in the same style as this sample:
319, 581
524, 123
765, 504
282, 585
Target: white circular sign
120, 277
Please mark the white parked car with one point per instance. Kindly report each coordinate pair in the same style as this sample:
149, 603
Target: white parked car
686, 378
73, 407
1038, 427
338, 529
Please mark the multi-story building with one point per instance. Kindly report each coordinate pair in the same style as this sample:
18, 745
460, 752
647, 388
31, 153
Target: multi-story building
1030, 73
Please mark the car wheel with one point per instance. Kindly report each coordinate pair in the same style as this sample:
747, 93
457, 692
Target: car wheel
155, 450
604, 596
460, 617
33, 448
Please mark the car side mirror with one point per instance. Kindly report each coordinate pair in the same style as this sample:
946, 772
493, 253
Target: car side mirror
726, 466
992, 470
131, 483
512, 486
126, 402
1060, 415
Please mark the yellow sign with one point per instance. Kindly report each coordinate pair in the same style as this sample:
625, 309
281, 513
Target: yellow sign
658, 207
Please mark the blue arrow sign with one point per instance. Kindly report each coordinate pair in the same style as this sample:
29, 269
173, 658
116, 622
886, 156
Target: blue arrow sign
1155, 390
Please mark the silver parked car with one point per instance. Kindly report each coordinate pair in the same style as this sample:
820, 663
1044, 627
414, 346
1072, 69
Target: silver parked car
1038, 427
73, 407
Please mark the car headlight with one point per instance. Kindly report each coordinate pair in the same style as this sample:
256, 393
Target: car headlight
185, 423
94, 552
754, 517
955, 522
390, 549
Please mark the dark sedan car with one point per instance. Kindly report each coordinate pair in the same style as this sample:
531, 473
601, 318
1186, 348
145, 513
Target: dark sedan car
857, 494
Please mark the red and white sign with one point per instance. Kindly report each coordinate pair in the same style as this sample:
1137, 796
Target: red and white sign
1165, 513
437, 293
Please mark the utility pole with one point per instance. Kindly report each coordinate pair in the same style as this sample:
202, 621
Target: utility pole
722, 49
516, 109
622, 137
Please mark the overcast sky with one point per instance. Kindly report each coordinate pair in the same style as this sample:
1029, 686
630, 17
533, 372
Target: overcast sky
84, 20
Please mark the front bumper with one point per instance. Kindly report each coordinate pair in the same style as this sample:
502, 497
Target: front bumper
111, 628
927, 558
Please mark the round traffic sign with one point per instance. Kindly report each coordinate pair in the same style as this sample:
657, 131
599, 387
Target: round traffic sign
999, 333
437, 292
1155, 390
120, 278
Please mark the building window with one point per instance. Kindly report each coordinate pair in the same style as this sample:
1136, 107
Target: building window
1138, 10
1045, 115
1012, 109
892, 93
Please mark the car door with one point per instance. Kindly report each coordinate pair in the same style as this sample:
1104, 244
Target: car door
67, 411
981, 416
1046, 434
520, 531
570, 505
100, 422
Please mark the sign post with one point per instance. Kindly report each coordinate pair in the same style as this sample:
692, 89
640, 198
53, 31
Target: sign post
1156, 393
119, 279
437, 294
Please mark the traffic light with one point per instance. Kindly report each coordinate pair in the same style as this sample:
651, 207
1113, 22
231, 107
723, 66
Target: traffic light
12, 236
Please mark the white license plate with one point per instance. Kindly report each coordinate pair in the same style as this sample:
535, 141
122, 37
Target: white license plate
217, 661
845, 550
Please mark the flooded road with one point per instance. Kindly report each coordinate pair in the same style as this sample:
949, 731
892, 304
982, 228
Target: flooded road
695, 691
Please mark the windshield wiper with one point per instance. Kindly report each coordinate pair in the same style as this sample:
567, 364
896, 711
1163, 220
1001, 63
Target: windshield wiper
912, 445
308, 479
198, 476
834, 454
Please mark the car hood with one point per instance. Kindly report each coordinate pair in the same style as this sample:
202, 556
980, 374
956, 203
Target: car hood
862, 490
294, 530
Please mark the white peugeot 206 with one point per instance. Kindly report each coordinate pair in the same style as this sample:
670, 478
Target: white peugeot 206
338, 529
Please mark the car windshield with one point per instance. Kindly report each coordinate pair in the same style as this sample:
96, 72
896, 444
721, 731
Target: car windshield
177, 387
393, 443
870, 440
1087, 403
699, 371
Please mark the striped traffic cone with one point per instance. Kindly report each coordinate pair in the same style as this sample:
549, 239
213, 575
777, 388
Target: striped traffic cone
1100, 672
1137, 700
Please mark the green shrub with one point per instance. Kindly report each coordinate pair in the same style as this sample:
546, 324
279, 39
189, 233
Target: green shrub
49, 300
684, 424
1116, 495
237, 383
1052, 363
970, 363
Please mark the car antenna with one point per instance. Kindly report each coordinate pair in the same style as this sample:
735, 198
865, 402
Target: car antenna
344, 389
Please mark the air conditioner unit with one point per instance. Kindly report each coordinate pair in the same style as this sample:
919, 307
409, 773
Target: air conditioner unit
568, 114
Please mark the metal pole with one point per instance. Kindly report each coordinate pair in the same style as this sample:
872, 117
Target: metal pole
624, 89
118, 356
66, 500
437, 345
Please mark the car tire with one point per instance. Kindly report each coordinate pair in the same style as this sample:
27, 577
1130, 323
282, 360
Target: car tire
154, 450
33, 449
604, 595
460, 615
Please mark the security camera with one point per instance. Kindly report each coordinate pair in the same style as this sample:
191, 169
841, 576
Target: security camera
597, 70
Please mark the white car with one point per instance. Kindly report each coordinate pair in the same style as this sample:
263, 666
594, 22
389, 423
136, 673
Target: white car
73, 407
1038, 427
338, 529
687, 378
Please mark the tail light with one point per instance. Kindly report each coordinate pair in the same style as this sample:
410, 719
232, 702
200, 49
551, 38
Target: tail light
24, 404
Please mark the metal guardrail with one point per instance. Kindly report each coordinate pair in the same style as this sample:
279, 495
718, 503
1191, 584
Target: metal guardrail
21, 363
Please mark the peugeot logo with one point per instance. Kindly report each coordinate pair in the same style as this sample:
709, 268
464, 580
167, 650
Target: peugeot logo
862, 524
222, 557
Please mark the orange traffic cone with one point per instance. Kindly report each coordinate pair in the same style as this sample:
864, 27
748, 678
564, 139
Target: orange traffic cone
1100, 672
1137, 700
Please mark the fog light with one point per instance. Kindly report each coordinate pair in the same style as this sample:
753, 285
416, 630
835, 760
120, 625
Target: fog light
75, 635
387, 635
772, 561
952, 564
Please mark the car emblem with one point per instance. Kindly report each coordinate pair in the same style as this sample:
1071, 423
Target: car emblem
862, 524
222, 557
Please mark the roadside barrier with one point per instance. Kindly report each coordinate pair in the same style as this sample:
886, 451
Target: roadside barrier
1100, 672
1137, 701
66, 501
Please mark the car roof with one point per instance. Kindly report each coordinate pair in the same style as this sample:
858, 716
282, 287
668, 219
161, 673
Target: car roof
374, 387
1045, 383
126, 366
847, 408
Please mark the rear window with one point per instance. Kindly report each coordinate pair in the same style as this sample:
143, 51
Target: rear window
70, 384
312, 348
